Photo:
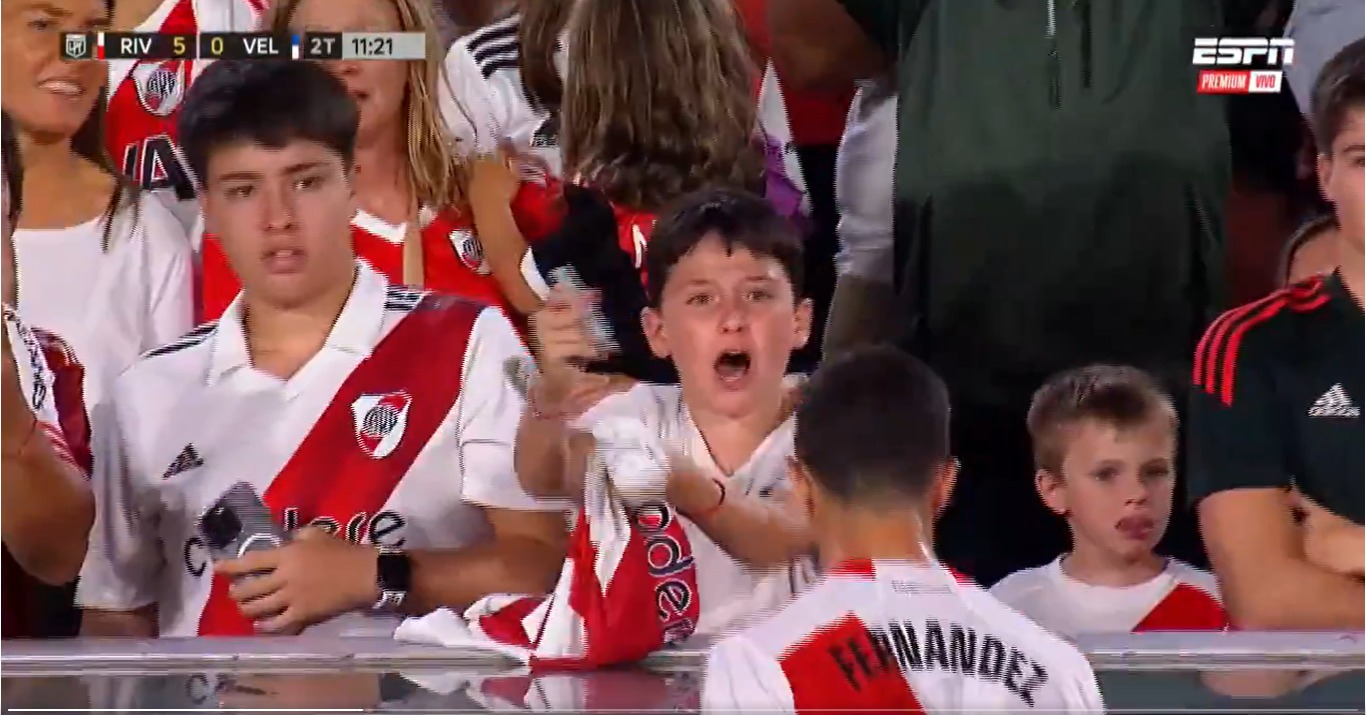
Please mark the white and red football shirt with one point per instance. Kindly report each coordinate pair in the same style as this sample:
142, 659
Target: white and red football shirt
453, 258
194, 417
145, 98
484, 102
1180, 598
729, 592
897, 636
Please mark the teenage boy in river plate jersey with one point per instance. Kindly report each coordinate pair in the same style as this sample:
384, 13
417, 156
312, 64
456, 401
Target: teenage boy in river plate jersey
887, 628
375, 413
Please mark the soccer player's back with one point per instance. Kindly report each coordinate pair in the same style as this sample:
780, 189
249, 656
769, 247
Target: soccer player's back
902, 636
888, 627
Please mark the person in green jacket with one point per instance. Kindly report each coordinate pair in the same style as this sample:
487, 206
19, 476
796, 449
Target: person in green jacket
1058, 188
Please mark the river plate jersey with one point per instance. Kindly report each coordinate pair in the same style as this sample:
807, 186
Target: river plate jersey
1180, 598
393, 434
902, 637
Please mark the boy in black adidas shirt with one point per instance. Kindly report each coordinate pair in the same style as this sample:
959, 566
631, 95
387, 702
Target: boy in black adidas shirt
1276, 412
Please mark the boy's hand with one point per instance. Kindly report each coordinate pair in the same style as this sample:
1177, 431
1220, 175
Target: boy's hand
312, 578
1331, 541
493, 181
564, 347
690, 489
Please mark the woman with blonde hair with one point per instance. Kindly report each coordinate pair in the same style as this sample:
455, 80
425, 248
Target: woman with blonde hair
102, 264
659, 102
418, 211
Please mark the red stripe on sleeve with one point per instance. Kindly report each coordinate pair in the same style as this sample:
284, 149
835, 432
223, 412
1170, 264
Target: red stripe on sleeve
1217, 353
1230, 357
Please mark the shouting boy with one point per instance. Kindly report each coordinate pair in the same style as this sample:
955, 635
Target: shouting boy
724, 276
1105, 450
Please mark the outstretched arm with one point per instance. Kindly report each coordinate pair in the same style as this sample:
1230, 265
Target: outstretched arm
46, 508
762, 533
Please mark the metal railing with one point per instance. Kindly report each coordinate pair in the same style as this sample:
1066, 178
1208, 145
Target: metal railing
1144, 651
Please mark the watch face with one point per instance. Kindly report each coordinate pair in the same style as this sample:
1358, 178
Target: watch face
394, 572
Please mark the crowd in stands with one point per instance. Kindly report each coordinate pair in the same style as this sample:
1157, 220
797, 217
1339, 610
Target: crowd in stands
419, 305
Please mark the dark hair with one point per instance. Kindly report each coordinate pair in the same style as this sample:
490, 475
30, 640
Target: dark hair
1337, 91
88, 143
538, 39
1116, 395
266, 102
873, 425
739, 218
14, 168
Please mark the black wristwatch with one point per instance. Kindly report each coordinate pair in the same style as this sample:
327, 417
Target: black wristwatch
394, 576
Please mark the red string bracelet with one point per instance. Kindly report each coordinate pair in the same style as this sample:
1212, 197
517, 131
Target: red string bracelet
711, 510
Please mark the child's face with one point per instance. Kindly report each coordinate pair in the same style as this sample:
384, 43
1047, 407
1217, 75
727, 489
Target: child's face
1340, 175
729, 321
1115, 487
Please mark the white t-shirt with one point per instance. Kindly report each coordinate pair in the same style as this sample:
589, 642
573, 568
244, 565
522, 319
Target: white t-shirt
730, 592
193, 418
484, 101
1182, 597
863, 184
897, 637
110, 305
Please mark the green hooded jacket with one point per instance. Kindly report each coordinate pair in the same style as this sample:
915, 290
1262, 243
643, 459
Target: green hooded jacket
1059, 185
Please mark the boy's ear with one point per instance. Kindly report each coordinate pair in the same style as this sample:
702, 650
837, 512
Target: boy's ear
941, 493
1323, 168
1051, 491
655, 335
802, 490
802, 332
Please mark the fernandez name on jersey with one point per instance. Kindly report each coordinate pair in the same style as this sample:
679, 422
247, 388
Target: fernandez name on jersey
905, 646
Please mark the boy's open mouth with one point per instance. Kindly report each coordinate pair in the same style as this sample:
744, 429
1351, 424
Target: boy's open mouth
732, 366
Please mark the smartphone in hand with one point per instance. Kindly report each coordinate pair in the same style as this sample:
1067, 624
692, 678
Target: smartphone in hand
239, 522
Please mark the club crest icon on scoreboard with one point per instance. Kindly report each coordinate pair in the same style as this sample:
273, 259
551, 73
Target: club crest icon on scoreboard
380, 422
75, 45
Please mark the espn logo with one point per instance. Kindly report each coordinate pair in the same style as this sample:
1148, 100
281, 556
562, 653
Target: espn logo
1239, 81
1235, 54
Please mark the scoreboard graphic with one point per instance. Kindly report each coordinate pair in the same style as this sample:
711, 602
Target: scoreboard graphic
244, 46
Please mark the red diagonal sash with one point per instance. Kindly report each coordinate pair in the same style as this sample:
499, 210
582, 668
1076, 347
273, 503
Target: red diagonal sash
330, 475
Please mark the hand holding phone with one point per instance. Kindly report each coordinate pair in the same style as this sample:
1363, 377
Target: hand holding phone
239, 522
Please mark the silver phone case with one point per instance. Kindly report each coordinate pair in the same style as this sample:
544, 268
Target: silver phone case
259, 530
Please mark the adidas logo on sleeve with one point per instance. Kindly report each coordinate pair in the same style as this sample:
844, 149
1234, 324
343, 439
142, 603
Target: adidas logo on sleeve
1335, 403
